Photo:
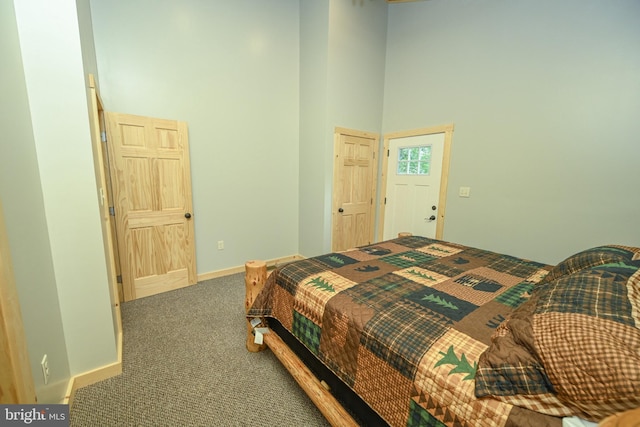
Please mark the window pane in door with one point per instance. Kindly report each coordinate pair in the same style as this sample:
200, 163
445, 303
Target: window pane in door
402, 167
414, 160
424, 168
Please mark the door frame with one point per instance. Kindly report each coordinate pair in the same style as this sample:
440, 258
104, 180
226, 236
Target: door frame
442, 197
337, 134
96, 124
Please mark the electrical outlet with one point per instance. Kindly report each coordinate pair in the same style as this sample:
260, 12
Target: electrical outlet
45, 368
220, 245
464, 192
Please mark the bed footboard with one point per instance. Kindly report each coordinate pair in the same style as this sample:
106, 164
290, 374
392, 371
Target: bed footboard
254, 279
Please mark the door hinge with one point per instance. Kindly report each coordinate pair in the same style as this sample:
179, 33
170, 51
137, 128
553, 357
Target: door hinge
385, 200
112, 211
387, 153
119, 278
103, 136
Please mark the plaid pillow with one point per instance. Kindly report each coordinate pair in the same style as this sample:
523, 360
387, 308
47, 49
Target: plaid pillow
575, 344
589, 258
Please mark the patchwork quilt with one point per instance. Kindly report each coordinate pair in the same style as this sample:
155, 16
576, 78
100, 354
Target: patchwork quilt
404, 323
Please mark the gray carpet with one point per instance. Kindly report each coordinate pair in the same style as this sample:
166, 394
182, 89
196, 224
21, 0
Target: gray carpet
185, 364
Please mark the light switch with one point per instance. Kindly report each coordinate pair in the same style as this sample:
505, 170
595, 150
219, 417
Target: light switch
464, 191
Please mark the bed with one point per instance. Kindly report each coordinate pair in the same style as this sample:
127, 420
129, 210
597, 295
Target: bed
432, 333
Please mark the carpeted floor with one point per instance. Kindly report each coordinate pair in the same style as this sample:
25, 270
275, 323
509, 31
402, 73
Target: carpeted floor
185, 364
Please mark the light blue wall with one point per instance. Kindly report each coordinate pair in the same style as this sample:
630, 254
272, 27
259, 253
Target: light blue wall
349, 86
545, 97
50, 40
231, 71
542, 94
49, 193
90, 67
26, 223
314, 134
357, 47
357, 51
87, 44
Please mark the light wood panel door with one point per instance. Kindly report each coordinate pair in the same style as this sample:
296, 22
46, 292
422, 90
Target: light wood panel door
354, 188
151, 178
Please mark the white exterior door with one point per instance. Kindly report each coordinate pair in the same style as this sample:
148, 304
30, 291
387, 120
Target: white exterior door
414, 172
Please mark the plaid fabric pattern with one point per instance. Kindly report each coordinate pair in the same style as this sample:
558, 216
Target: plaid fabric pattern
439, 251
587, 292
414, 242
515, 266
401, 335
581, 331
442, 381
375, 251
407, 259
291, 274
422, 276
516, 295
579, 364
306, 331
509, 380
382, 292
590, 258
457, 371
547, 403
488, 256
633, 291
314, 292
418, 417
382, 387
476, 281
538, 276
480, 286
283, 307
335, 260
444, 269
443, 303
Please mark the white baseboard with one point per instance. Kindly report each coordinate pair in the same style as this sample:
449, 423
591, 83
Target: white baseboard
95, 375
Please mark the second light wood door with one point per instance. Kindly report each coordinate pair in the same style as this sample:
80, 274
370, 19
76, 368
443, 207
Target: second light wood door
151, 180
354, 188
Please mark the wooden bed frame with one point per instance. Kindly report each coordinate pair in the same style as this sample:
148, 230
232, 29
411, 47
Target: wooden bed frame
255, 278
